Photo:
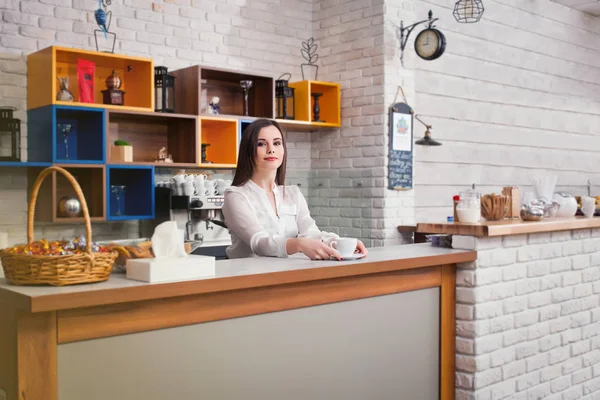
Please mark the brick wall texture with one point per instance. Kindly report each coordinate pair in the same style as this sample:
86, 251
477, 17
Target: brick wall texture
528, 317
503, 90
342, 172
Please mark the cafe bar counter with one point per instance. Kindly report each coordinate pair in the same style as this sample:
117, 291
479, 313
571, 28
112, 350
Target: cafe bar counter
528, 309
263, 328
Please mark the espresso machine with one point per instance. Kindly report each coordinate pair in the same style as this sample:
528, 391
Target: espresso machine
200, 217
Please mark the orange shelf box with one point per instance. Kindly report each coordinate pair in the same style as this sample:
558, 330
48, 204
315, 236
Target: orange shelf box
221, 134
329, 103
47, 65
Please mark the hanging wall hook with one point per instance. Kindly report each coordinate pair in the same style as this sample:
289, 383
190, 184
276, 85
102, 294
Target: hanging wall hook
409, 29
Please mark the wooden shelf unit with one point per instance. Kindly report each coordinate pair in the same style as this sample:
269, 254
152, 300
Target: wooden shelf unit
45, 66
148, 132
91, 179
223, 136
196, 85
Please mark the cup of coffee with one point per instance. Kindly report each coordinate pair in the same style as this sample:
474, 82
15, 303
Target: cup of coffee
345, 246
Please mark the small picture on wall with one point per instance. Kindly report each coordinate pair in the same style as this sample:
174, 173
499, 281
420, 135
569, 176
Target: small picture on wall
401, 128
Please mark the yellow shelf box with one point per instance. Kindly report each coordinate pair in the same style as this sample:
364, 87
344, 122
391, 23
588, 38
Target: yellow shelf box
329, 103
221, 136
47, 65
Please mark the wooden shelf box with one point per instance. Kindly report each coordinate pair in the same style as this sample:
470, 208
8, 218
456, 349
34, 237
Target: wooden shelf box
45, 66
148, 132
222, 135
196, 85
85, 139
91, 179
138, 199
329, 103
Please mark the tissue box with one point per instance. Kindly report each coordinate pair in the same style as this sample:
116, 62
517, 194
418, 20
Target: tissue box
170, 269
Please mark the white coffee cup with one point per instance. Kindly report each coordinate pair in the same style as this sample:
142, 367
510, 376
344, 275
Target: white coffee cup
345, 246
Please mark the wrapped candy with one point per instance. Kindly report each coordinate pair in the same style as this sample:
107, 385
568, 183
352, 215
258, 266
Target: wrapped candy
56, 248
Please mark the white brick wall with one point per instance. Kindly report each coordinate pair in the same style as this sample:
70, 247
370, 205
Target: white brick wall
528, 317
514, 95
254, 35
492, 96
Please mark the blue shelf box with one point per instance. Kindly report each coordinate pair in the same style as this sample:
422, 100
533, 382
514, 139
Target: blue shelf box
136, 201
67, 135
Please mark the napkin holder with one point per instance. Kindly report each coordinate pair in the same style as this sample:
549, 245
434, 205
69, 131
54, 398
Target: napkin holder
153, 270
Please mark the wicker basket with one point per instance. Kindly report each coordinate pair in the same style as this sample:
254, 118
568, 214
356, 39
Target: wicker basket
88, 267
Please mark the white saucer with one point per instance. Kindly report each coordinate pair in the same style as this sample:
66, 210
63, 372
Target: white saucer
355, 256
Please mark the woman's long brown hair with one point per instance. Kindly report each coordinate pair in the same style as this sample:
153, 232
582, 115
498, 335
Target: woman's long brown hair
247, 154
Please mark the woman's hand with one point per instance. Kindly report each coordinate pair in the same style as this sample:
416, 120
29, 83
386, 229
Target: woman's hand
312, 248
360, 248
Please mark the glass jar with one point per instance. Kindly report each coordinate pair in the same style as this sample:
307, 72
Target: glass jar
469, 207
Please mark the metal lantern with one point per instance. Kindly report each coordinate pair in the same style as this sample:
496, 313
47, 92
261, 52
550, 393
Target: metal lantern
164, 86
284, 96
468, 11
10, 135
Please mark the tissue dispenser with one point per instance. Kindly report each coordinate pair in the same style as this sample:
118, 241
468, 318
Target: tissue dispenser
154, 270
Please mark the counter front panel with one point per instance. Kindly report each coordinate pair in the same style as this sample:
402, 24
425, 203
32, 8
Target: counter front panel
380, 347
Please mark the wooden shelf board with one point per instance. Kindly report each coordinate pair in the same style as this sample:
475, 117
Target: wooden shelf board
229, 116
149, 114
304, 125
101, 54
78, 219
209, 166
509, 227
107, 106
154, 164
24, 164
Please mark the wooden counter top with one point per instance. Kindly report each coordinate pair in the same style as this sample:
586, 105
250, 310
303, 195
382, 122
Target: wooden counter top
509, 227
231, 275
37, 320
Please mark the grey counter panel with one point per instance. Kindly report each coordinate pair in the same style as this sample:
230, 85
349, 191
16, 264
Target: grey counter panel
380, 348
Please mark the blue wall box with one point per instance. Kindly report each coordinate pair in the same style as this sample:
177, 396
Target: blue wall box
242, 126
137, 200
67, 134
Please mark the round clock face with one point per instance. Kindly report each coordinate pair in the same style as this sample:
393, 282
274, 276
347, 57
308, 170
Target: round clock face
430, 44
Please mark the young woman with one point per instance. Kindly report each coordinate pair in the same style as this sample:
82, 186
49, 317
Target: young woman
264, 217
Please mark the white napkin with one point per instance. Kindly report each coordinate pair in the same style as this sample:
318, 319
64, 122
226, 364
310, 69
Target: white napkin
168, 241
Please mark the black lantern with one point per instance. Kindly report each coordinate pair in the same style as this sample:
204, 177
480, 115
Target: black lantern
284, 95
164, 86
10, 135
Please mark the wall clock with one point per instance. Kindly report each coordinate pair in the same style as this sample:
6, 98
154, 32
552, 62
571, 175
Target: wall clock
430, 44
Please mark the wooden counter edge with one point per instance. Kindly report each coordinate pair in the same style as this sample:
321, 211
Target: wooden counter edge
119, 319
67, 301
508, 227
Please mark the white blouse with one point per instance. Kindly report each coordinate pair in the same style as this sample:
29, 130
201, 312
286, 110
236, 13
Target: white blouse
254, 227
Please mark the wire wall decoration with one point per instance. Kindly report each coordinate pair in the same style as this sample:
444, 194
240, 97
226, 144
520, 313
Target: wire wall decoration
468, 11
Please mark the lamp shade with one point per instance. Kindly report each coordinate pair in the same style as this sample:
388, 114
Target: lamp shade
468, 11
427, 141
